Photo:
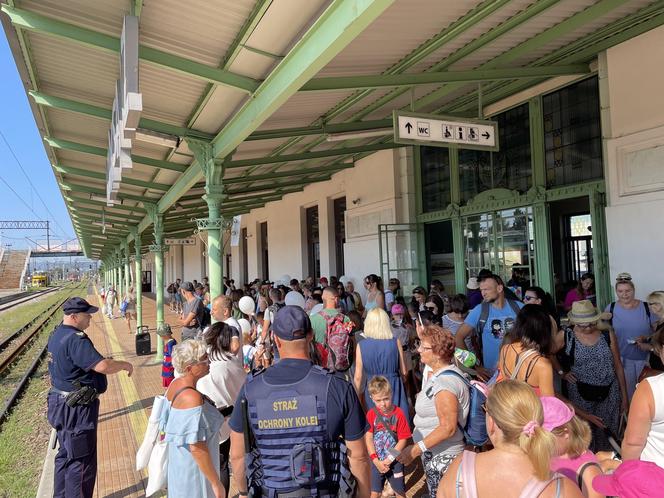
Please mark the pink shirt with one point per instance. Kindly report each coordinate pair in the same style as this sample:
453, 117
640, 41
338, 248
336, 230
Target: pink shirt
571, 297
569, 467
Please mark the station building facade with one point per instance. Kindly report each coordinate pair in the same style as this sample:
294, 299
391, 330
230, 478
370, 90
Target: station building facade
577, 186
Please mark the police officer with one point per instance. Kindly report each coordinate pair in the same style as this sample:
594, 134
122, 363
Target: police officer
78, 376
307, 424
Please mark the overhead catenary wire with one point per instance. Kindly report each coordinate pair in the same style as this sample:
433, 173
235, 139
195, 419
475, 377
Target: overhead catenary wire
11, 150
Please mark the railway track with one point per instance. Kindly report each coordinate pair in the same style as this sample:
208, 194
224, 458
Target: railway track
24, 297
18, 343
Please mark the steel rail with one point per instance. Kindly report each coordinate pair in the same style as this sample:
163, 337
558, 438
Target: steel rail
23, 298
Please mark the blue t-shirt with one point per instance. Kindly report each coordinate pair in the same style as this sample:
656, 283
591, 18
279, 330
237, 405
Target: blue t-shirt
498, 322
629, 324
71, 357
345, 415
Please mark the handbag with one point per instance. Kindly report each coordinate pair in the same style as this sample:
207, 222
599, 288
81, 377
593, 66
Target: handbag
591, 392
153, 452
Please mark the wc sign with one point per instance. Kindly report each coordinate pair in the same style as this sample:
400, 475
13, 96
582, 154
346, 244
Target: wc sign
445, 131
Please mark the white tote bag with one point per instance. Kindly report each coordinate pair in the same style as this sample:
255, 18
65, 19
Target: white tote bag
153, 452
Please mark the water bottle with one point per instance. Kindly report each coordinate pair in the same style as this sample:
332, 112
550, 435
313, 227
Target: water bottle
465, 357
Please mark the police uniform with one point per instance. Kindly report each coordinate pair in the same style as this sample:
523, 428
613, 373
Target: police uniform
71, 357
300, 417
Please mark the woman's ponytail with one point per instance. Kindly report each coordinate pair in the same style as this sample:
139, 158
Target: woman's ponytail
539, 445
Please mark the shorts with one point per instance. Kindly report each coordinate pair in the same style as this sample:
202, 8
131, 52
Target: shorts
178, 298
395, 476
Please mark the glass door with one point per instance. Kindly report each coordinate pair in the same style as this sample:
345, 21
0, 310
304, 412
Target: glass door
501, 241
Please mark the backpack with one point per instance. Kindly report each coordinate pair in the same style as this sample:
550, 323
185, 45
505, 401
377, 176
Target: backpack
338, 342
613, 306
205, 318
385, 439
484, 316
171, 289
474, 431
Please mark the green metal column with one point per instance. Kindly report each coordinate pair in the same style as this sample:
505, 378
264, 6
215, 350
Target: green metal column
600, 248
457, 226
158, 250
214, 223
127, 269
138, 270
541, 221
421, 241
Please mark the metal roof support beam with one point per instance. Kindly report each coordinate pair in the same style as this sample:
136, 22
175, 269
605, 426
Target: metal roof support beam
120, 207
471, 76
76, 187
331, 168
556, 32
86, 212
341, 22
102, 176
245, 32
100, 151
60, 103
262, 188
311, 155
31, 21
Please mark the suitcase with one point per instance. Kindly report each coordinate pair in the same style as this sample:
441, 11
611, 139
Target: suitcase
143, 344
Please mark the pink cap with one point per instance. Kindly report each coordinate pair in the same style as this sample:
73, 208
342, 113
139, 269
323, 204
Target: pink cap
556, 412
398, 309
323, 280
633, 479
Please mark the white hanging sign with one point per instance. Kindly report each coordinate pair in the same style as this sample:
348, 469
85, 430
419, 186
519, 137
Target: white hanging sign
235, 231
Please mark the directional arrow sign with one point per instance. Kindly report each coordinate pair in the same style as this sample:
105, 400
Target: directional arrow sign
445, 131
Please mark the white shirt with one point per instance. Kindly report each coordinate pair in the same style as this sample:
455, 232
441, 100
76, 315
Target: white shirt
654, 448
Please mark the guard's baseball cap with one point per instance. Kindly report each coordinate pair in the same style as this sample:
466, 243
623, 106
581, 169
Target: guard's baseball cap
78, 305
291, 323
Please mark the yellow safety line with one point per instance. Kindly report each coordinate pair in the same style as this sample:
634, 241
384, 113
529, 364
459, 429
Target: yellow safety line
137, 416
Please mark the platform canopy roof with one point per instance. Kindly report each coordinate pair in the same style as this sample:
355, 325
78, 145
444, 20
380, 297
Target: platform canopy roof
274, 85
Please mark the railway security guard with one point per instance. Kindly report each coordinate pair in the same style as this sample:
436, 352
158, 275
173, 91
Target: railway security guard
307, 424
78, 376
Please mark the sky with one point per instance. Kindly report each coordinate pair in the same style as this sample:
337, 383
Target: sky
18, 133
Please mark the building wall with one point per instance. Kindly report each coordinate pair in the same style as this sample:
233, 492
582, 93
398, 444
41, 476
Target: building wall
378, 190
631, 82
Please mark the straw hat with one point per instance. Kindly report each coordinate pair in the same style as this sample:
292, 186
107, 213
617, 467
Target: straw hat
585, 312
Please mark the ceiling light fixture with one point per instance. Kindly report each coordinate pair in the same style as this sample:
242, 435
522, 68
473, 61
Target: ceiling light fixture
156, 138
340, 137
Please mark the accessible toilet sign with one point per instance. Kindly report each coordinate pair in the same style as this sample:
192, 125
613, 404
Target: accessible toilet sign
443, 131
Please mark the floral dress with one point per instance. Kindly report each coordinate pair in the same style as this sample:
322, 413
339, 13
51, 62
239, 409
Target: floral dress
594, 365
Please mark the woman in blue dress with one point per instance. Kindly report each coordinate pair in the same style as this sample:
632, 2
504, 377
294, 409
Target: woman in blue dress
191, 424
380, 354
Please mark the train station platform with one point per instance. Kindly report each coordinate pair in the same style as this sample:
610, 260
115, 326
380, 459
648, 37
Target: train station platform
125, 407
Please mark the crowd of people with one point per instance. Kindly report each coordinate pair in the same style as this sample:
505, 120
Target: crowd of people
312, 389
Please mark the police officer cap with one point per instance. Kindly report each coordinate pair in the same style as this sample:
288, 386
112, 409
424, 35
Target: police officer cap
78, 305
291, 323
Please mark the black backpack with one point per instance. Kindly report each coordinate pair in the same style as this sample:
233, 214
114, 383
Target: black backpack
613, 306
205, 318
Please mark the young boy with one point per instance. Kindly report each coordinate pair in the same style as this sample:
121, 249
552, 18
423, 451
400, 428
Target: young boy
167, 370
388, 428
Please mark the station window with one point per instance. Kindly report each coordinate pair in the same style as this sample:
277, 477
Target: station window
572, 134
435, 171
339, 233
313, 242
509, 168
